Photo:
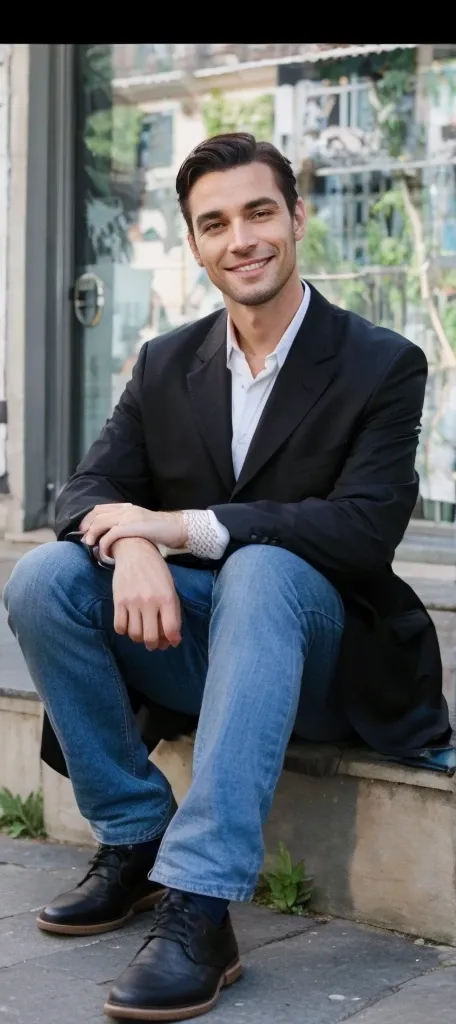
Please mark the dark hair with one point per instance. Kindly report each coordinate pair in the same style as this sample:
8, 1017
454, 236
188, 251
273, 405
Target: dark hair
233, 149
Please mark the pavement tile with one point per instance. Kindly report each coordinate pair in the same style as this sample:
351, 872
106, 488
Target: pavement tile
303, 979
22, 890
21, 940
30, 995
426, 999
33, 853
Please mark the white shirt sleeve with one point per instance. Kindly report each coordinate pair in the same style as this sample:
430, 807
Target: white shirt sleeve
207, 538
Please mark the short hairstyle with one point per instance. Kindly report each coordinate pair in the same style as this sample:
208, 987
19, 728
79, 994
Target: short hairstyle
233, 149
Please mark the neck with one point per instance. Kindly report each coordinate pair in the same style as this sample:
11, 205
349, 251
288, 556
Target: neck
260, 328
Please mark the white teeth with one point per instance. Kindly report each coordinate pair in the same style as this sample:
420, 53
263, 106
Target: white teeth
252, 266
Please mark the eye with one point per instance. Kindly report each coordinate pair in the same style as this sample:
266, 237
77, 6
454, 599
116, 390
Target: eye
262, 213
213, 227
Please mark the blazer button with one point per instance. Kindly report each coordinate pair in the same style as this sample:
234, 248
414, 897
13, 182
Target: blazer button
253, 536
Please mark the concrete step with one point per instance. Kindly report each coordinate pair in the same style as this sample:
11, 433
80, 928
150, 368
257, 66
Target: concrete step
416, 551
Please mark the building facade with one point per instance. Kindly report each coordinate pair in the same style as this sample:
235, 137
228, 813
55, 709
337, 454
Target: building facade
93, 255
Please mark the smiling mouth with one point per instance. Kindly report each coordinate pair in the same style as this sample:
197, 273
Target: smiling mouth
248, 268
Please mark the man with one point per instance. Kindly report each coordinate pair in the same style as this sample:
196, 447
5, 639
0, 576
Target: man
251, 486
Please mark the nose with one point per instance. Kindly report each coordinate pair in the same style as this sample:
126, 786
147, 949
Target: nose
242, 236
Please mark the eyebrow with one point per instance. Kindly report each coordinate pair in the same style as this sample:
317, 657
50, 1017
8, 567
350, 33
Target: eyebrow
203, 218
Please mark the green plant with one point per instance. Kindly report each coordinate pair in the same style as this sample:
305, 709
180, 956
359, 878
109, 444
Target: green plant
284, 887
317, 252
20, 817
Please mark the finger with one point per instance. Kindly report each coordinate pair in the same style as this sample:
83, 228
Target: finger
115, 506
88, 519
171, 620
101, 524
163, 643
151, 626
120, 618
135, 625
107, 541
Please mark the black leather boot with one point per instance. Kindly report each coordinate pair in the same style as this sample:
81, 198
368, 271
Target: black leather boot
179, 972
114, 889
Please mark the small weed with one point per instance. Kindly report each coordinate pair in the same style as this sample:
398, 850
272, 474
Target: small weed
284, 887
20, 817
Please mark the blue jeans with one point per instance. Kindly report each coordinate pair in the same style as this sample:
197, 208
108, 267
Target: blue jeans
260, 642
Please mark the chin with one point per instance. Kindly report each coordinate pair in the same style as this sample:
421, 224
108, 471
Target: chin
257, 296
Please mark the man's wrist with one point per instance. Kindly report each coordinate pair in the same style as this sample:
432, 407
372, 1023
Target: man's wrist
126, 543
182, 539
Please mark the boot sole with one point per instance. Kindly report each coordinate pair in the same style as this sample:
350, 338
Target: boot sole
232, 974
146, 903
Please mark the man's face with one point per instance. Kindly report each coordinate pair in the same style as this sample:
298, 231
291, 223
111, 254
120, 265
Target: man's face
244, 234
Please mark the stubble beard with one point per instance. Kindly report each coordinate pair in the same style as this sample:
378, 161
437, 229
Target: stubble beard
264, 294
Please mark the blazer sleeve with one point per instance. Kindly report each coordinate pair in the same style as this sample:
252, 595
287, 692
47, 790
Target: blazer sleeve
357, 528
116, 466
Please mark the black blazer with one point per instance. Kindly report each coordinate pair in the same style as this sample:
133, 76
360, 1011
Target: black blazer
329, 475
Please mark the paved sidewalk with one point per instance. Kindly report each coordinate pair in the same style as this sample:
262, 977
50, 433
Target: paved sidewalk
297, 971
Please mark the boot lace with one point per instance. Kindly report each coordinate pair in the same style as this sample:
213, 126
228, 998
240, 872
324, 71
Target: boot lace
105, 863
172, 920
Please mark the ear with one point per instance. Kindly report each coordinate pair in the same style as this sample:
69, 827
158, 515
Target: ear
299, 220
194, 249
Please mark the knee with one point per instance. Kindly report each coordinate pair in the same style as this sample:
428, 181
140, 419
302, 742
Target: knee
38, 575
254, 572
269, 576
262, 565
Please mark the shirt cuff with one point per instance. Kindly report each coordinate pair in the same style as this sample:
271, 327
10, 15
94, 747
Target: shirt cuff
207, 537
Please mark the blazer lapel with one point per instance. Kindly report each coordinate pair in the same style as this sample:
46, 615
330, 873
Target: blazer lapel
209, 385
305, 375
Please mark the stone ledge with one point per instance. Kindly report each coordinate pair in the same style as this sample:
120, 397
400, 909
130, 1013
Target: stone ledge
325, 760
15, 693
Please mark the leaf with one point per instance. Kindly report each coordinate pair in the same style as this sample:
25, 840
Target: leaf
291, 893
284, 859
297, 873
277, 889
16, 830
281, 905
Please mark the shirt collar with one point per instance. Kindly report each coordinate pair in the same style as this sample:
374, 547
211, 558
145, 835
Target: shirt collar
282, 349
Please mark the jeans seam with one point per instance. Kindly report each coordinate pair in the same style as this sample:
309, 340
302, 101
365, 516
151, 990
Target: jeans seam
323, 615
120, 691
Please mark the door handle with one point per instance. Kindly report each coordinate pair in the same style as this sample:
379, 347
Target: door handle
88, 299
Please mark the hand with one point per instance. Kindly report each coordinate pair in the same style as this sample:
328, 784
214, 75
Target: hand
112, 522
146, 605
